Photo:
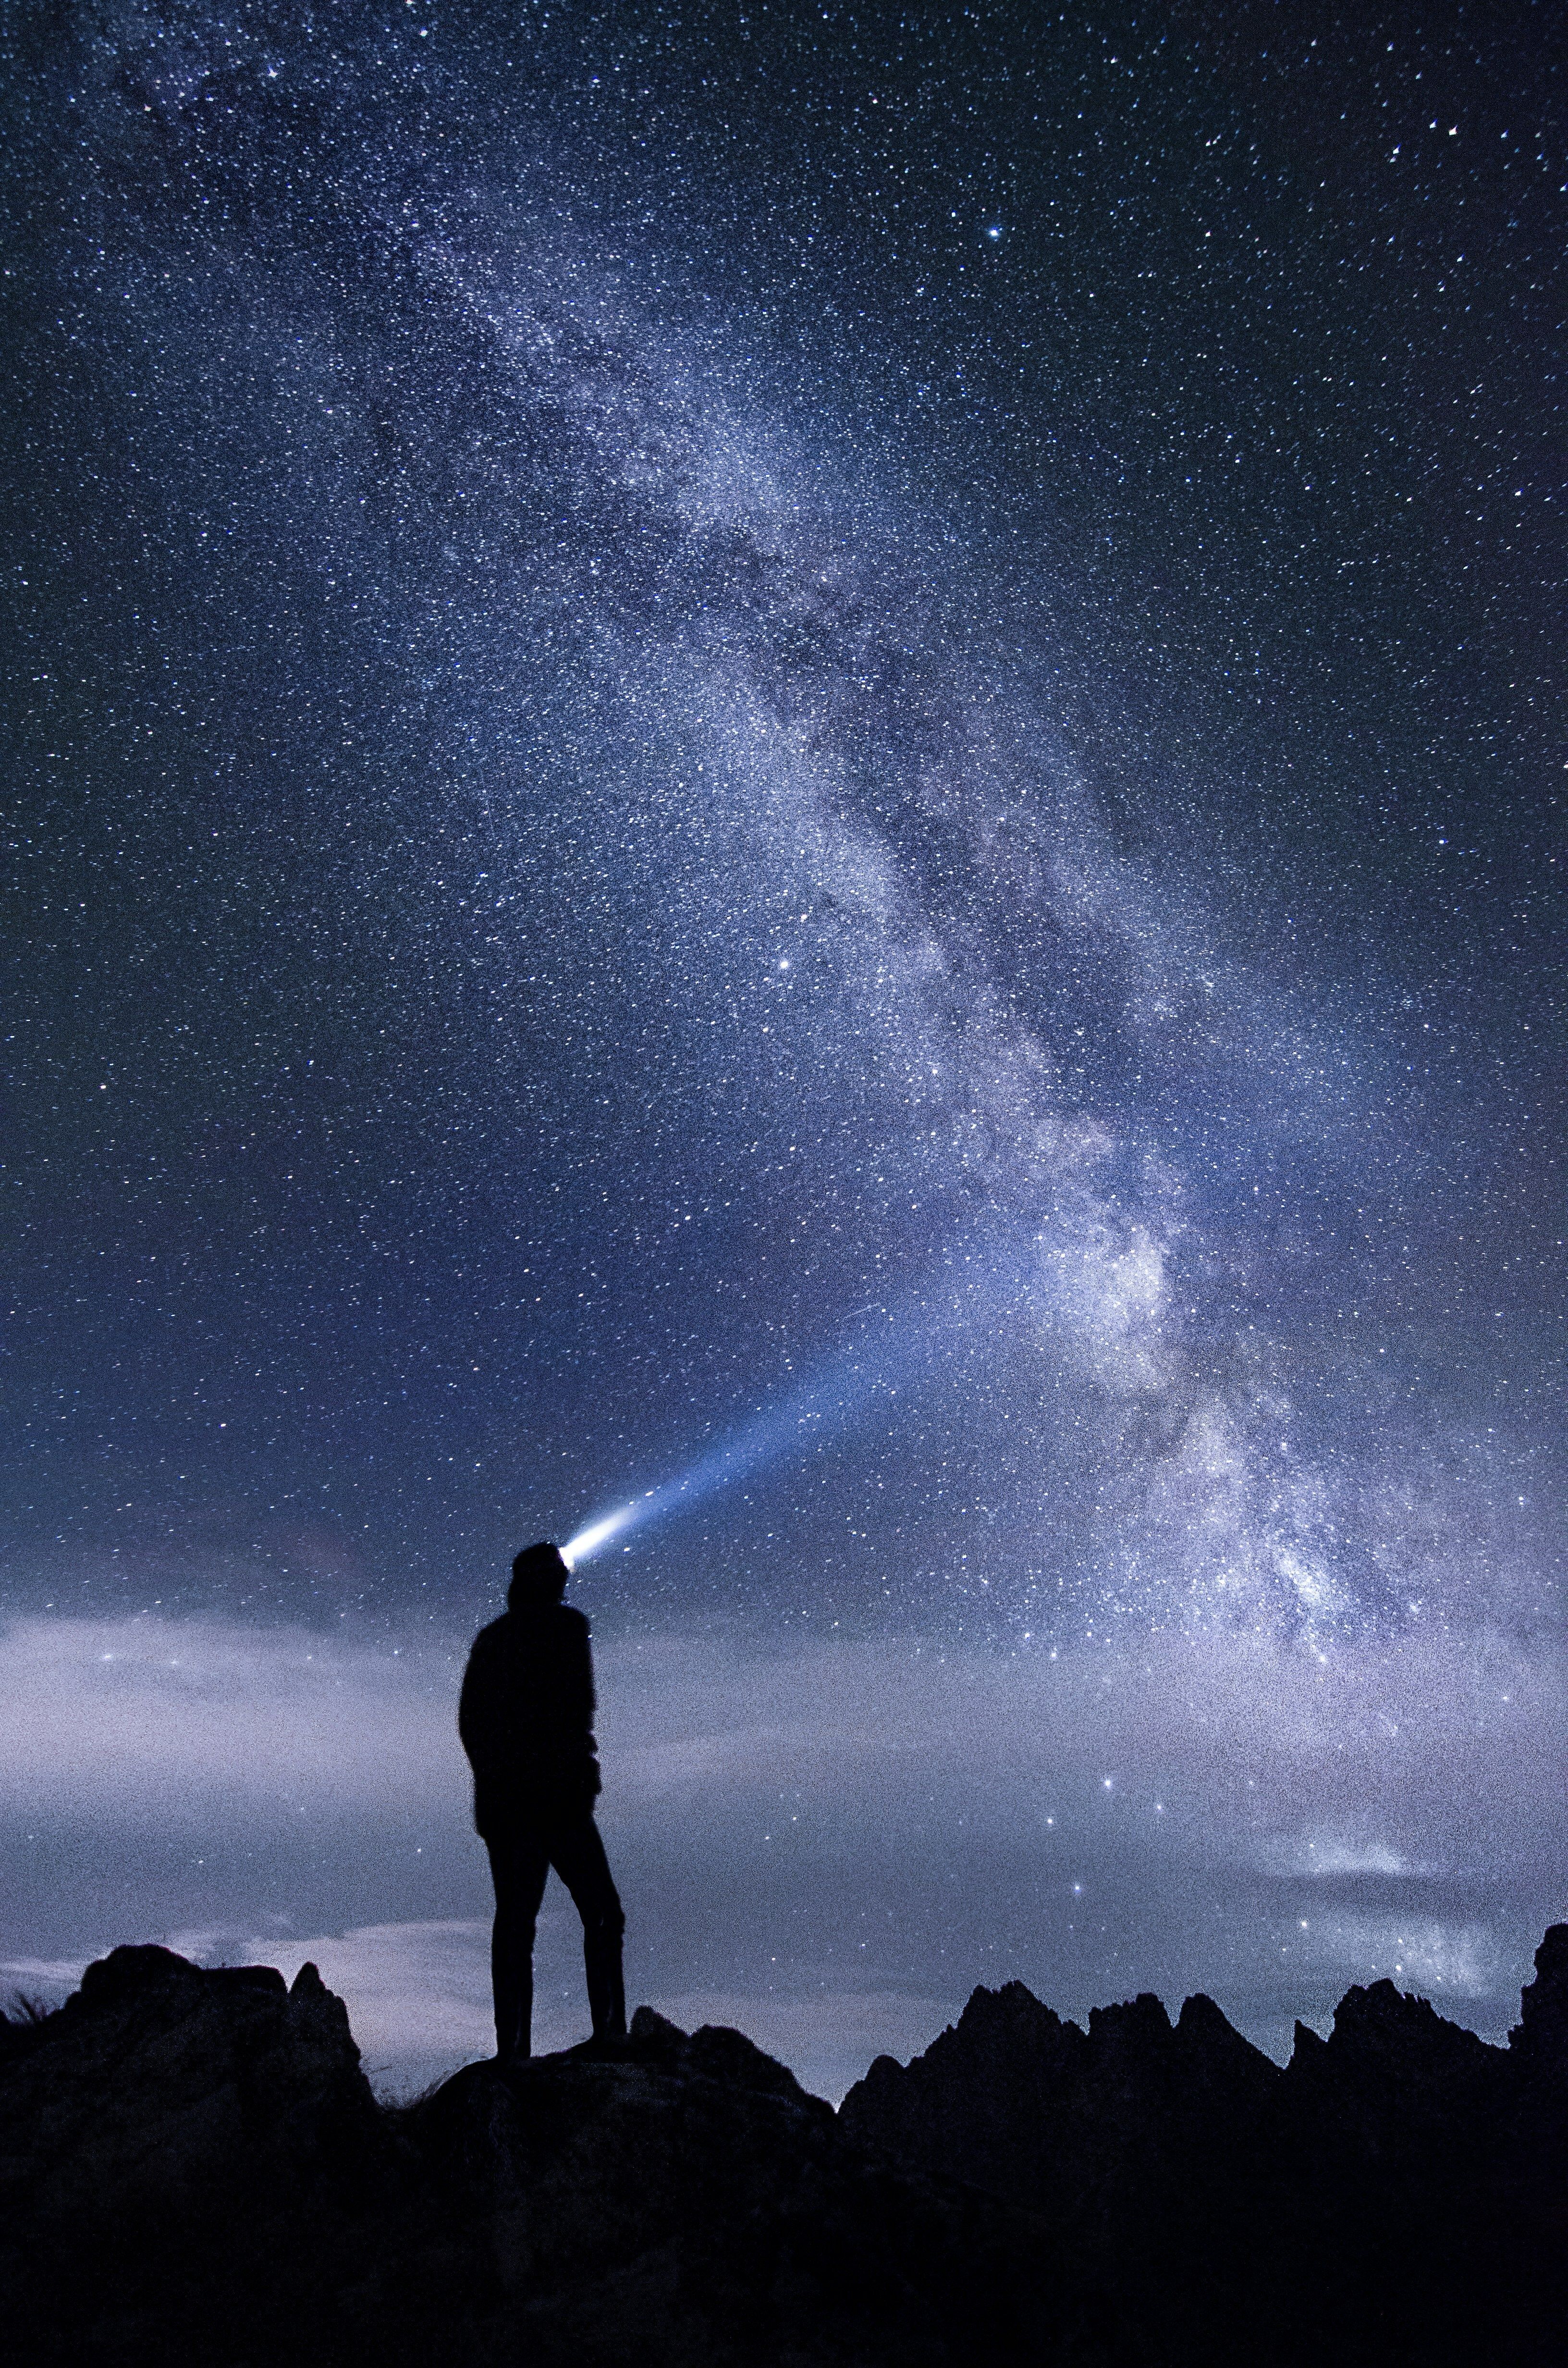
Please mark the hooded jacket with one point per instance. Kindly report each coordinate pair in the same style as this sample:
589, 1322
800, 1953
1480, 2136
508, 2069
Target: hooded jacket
526, 1718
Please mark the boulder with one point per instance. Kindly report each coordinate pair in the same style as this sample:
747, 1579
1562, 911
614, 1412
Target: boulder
175, 2136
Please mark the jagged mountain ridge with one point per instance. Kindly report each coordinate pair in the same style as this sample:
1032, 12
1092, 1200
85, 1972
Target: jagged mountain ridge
1402, 2183
192, 2162
1017, 2100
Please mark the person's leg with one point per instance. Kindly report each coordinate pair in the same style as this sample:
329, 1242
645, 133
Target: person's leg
577, 1854
519, 1864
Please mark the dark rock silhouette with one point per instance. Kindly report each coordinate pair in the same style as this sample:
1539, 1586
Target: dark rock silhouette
1018, 2102
1539, 2038
172, 2135
193, 2165
1398, 2191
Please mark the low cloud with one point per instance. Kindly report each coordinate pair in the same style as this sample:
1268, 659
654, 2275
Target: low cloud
1453, 1963
167, 1713
1308, 1855
827, 1845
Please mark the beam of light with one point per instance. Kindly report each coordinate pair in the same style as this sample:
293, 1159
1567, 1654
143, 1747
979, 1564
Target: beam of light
805, 1417
874, 1365
598, 1534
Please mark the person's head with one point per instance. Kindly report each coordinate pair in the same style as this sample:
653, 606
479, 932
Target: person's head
538, 1578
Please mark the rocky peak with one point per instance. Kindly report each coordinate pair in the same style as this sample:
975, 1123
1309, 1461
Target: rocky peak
717, 2053
1058, 2119
1539, 2038
228, 2061
1204, 2034
1137, 2022
1392, 2066
976, 2102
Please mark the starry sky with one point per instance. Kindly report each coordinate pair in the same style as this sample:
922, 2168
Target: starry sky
811, 758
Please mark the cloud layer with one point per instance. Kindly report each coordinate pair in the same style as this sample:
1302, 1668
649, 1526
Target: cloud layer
828, 1845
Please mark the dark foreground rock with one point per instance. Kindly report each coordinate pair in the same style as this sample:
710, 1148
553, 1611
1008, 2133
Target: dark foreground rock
192, 2165
1398, 2191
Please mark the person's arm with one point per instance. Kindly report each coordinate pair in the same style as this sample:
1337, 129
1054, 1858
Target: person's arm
578, 1693
576, 1673
474, 1703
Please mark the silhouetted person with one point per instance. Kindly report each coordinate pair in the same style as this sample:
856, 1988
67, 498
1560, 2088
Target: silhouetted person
526, 1719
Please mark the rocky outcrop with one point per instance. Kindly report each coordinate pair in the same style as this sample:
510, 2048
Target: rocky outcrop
174, 2142
685, 2200
192, 2165
1064, 2120
1400, 2192
1539, 2038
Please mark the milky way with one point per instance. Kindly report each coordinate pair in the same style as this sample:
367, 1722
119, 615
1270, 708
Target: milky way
823, 758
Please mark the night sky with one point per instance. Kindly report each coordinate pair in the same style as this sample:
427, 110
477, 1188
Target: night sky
819, 751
